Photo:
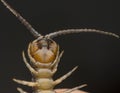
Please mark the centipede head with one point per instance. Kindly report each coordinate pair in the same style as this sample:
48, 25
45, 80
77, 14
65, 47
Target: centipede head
43, 50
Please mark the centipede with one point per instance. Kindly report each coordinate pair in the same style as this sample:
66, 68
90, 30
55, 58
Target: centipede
44, 55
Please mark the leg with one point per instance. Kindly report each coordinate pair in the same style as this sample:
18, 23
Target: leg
31, 84
57, 62
28, 65
75, 88
21, 90
65, 76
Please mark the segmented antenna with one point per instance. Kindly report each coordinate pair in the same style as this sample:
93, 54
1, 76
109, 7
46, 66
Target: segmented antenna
70, 31
22, 20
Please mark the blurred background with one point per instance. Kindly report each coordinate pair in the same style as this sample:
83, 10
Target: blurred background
98, 56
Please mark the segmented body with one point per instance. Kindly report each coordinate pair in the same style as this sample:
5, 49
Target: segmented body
44, 58
44, 55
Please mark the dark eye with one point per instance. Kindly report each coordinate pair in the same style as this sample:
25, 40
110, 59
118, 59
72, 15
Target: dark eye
49, 42
39, 44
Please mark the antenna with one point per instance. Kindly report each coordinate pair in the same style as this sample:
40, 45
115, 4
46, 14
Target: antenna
21, 19
71, 31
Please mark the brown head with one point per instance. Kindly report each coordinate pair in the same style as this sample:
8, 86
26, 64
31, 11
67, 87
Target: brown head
43, 50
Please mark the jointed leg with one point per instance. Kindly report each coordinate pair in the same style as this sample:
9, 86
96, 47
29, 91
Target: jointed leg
57, 62
21, 90
28, 65
31, 84
65, 76
56, 59
75, 88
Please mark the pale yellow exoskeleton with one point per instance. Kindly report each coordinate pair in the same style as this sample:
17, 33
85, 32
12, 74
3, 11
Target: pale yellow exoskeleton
44, 57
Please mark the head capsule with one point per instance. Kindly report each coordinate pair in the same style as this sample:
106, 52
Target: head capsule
43, 50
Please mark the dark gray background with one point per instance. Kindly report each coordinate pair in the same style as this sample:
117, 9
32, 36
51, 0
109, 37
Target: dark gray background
98, 56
